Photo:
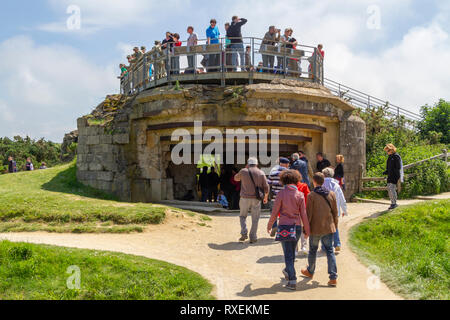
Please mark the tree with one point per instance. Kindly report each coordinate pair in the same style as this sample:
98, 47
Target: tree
435, 123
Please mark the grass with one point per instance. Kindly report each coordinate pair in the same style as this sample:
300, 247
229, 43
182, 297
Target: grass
53, 200
40, 272
411, 247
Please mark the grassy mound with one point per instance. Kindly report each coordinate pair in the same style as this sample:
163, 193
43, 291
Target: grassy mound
42, 272
53, 200
411, 246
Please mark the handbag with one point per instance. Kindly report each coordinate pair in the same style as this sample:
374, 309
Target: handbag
258, 191
286, 233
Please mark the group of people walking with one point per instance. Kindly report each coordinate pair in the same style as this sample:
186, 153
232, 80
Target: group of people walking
301, 209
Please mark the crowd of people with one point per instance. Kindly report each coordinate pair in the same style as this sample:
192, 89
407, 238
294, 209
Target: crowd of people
302, 209
12, 165
234, 56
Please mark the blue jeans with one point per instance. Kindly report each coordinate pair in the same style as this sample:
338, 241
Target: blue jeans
336, 240
327, 242
289, 255
237, 48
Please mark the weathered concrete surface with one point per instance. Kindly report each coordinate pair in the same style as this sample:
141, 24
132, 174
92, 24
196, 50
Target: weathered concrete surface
130, 154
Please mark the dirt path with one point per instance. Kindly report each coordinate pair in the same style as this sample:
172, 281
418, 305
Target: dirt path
239, 271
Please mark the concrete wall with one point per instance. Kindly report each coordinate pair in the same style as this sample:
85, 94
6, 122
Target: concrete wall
128, 158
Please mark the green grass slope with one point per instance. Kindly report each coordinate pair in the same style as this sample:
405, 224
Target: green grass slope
411, 246
53, 200
42, 272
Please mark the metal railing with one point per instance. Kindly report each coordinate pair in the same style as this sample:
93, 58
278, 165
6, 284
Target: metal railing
223, 61
362, 100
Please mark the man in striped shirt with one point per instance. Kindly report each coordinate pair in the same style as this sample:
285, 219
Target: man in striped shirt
276, 185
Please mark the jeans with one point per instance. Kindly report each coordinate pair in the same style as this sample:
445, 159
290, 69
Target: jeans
191, 68
212, 194
289, 256
336, 239
175, 65
237, 48
392, 190
327, 242
254, 206
213, 61
268, 62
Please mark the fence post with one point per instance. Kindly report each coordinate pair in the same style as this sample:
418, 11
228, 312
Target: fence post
444, 151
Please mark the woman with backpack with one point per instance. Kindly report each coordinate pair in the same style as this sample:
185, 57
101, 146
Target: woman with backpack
290, 204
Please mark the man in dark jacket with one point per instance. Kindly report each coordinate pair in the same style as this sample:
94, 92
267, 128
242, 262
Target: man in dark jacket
301, 166
12, 167
322, 163
393, 169
213, 183
203, 184
234, 33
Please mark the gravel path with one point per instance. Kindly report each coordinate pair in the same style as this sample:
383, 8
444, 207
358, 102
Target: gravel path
238, 271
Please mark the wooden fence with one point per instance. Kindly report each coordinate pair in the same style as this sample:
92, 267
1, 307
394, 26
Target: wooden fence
361, 188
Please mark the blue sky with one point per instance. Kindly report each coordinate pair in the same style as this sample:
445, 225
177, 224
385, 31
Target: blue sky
51, 75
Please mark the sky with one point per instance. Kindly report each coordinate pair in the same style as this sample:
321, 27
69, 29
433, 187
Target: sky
59, 58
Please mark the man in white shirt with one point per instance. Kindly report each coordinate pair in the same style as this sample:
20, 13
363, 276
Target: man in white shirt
333, 185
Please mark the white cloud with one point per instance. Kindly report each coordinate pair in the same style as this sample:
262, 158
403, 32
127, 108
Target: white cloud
105, 14
45, 88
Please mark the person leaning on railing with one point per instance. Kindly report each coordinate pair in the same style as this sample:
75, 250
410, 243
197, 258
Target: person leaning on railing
227, 53
175, 61
271, 38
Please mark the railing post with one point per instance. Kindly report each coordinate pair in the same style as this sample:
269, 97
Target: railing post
444, 151
222, 60
145, 71
169, 63
285, 61
252, 63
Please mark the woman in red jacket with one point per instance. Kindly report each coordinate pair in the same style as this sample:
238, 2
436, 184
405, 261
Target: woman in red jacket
303, 188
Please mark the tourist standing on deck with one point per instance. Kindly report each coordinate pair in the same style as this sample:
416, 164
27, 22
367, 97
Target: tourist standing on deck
322, 163
234, 33
332, 184
276, 186
290, 205
393, 171
191, 41
271, 38
322, 213
212, 37
254, 189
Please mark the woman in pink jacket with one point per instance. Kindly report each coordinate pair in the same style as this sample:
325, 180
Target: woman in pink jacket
290, 204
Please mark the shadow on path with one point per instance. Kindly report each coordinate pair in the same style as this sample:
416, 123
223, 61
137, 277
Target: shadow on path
229, 246
303, 285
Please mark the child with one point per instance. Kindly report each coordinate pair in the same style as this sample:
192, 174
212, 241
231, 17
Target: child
222, 199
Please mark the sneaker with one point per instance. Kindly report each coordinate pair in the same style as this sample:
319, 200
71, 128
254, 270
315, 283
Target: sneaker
393, 206
286, 276
254, 241
337, 249
306, 273
332, 283
290, 286
273, 232
243, 238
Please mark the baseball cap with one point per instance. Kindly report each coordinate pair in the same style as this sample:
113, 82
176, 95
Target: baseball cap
252, 161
